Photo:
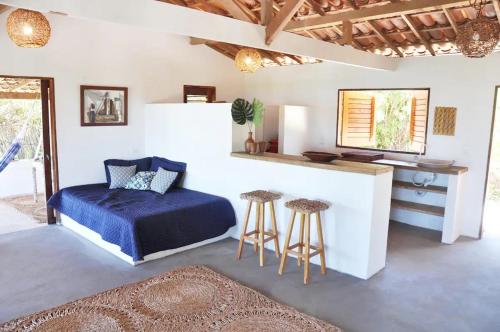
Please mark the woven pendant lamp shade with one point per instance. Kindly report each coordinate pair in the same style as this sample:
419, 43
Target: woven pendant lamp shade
248, 60
27, 28
478, 38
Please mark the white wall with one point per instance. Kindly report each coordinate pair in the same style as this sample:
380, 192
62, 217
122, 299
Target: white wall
17, 178
154, 66
355, 227
454, 81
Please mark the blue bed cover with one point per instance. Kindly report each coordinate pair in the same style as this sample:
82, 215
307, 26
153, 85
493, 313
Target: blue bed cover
145, 222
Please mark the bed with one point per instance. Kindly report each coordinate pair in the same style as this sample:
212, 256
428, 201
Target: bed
139, 226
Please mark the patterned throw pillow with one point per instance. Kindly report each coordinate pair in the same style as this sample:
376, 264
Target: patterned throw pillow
141, 181
120, 175
163, 180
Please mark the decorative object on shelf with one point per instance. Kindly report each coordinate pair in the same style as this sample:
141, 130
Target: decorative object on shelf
243, 112
248, 60
478, 37
362, 156
444, 121
250, 144
424, 183
263, 146
27, 28
103, 106
322, 157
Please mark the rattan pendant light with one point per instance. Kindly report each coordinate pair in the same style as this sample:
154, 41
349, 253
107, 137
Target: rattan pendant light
27, 28
248, 60
478, 37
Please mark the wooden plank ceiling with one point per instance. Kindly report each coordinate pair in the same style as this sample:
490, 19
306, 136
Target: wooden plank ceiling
395, 28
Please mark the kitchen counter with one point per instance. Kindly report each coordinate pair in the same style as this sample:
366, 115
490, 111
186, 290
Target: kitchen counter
414, 167
336, 165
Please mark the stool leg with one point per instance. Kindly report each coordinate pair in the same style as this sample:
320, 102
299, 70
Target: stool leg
321, 244
245, 225
308, 240
257, 225
275, 229
301, 239
287, 243
261, 232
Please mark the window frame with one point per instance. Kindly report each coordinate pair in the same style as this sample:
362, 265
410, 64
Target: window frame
380, 150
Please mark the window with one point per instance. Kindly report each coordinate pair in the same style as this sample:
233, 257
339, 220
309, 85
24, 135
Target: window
387, 120
199, 94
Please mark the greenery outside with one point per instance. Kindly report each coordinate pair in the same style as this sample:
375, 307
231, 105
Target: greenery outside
392, 120
13, 114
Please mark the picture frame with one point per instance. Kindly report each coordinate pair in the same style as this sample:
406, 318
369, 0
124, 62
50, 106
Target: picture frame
103, 106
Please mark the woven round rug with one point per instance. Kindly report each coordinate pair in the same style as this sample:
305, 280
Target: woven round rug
193, 298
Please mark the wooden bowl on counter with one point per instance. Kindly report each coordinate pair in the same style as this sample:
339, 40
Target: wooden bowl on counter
320, 157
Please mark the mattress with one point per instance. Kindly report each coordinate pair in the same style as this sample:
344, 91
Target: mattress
145, 222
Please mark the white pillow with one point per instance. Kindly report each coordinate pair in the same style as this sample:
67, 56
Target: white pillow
120, 175
163, 180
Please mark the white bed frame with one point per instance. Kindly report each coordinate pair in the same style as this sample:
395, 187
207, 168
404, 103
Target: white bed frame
114, 249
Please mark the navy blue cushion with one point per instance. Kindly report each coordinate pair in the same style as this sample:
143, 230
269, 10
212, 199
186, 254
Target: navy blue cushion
169, 165
142, 165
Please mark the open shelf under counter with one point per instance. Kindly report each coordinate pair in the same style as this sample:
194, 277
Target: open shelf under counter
411, 186
418, 207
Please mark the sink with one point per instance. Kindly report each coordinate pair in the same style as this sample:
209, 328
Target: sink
434, 163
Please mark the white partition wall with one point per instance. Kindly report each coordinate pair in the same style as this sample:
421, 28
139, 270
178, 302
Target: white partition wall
355, 227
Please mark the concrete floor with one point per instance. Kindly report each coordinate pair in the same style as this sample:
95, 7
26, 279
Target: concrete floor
12, 220
426, 286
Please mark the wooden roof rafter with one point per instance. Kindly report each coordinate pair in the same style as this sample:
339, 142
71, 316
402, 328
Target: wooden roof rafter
408, 20
384, 38
230, 50
401, 23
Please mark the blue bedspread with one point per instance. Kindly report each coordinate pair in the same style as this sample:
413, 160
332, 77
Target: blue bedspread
144, 222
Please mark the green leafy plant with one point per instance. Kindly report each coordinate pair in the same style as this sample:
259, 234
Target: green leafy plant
244, 112
241, 111
258, 112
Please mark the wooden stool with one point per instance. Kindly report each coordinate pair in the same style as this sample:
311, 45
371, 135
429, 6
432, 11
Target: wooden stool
305, 207
258, 236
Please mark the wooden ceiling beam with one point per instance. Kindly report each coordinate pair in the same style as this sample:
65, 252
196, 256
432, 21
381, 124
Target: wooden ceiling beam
353, 4
386, 40
347, 32
450, 18
19, 95
279, 21
221, 51
340, 32
233, 9
409, 21
266, 11
316, 7
3, 8
372, 13
295, 58
496, 4
272, 56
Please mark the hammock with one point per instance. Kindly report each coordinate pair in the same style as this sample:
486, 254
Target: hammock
14, 148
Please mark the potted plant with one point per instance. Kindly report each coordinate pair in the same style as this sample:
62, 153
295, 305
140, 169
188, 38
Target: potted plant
251, 114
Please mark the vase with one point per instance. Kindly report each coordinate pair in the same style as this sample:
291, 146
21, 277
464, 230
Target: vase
249, 142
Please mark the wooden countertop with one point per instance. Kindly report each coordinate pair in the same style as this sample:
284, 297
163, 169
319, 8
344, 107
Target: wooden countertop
336, 165
413, 166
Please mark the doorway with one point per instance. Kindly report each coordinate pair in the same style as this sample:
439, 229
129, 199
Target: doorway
491, 222
28, 152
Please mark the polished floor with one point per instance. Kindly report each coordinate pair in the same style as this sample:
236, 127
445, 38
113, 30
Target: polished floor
426, 286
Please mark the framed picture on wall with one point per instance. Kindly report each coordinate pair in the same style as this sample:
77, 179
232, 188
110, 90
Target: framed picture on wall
103, 106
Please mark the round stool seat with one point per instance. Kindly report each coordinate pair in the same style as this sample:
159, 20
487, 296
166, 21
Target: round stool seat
306, 205
261, 196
